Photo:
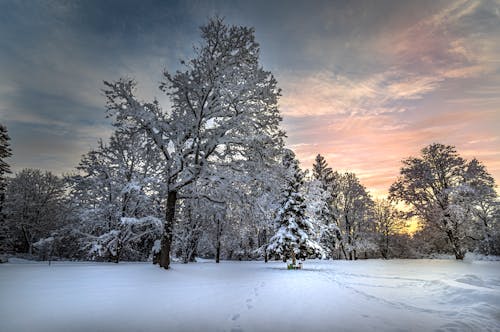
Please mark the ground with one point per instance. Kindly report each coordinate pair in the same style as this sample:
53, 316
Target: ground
371, 295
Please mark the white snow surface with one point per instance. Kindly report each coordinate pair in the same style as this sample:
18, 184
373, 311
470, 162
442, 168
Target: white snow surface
365, 295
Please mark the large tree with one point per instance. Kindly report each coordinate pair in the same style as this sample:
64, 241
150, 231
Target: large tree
443, 189
224, 108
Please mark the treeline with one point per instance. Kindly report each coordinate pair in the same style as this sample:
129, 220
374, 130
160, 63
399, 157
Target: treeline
113, 210
210, 177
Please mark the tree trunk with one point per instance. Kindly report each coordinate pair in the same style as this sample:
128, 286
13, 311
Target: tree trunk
386, 246
265, 246
217, 246
166, 240
487, 236
343, 250
457, 250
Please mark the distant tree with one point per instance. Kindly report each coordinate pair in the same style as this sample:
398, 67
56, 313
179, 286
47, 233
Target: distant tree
485, 207
321, 171
5, 152
321, 196
389, 224
224, 107
320, 212
443, 189
293, 238
352, 208
34, 207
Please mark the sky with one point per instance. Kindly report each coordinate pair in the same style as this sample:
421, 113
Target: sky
365, 83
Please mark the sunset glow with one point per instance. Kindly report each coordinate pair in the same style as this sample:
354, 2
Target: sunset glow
364, 84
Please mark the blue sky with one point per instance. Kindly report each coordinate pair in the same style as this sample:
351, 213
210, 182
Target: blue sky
366, 83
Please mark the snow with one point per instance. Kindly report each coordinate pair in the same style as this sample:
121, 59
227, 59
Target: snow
368, 295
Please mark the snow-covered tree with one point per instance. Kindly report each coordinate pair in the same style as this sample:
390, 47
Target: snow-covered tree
318, 200
352, 208
294, 236
443, 189
389, 224
5, 152
35, 207
116, 198
321, 196
224, 107
485, 207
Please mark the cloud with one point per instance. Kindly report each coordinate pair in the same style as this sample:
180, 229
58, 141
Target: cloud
422, 57
364, 83
326, 93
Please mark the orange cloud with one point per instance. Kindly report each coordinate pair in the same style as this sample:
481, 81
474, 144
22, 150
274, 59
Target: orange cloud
373, 146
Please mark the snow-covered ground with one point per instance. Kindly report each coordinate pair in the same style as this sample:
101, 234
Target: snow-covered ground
373, 295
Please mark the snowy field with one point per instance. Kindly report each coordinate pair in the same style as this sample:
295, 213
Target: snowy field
373, 295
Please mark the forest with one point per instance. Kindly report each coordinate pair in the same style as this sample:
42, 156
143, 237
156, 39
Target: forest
211, 177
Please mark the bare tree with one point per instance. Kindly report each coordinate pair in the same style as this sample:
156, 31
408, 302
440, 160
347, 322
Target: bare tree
34, 206
389, 224
352, 209
443, 189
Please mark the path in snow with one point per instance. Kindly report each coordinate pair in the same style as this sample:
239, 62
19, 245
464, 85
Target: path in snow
373, 295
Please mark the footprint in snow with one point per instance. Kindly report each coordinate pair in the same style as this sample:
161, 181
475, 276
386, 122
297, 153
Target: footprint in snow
235, 317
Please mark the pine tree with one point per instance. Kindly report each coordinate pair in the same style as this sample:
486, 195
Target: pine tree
293, 236
5, 152
329, 231
321, 171
320, 212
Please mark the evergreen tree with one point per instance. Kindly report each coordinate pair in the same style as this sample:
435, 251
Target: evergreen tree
293, 236
329, 233
321, 171
320, 212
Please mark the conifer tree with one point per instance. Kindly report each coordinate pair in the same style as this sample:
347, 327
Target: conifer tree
293, 236
329, 231
321, 171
